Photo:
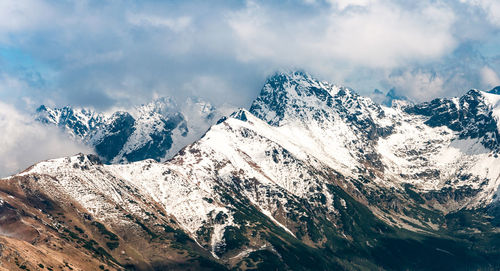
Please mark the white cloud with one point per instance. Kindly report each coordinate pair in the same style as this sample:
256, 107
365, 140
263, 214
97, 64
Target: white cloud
378, 35
489, 77
385, 35
174, 24
419, 86
24, 142
206, 86
490, 7
11, 84
343, 4
19, 15
108, 53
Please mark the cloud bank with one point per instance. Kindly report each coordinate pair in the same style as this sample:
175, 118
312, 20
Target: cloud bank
375, 34
24, 142
104, 54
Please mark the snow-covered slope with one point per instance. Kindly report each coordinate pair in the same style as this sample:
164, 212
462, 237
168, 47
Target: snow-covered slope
332, 122
444, 144
309, 167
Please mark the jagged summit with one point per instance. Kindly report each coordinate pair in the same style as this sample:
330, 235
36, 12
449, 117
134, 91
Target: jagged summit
163, 106
297, 83
78, 122
296, 98
473, 115
240, 114
288, 95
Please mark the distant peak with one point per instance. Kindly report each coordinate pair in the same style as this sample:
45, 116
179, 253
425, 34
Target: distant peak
287, 93
41, 108
163, 106
495, 90
473, 94
296, 82
391, 93
120, 114
67, 109
241, 114
392, 96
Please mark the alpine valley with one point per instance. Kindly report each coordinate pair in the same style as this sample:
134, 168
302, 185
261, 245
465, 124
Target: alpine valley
311, 177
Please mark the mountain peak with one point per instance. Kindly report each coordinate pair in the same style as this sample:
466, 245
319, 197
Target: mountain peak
291, 74
79, 122
301, 80
392, 96
495, 90
474, 93
120, 114
41, 108
472, 115
163, 106
290, 91
240, 114
390, 99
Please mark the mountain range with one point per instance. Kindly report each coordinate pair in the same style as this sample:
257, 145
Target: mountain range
156, 130
312, 176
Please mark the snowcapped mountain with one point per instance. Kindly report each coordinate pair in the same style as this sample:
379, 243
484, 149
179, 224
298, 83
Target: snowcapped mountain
311, 177
156, 130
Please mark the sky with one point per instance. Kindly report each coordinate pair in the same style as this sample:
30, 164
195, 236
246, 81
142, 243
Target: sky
109, 54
